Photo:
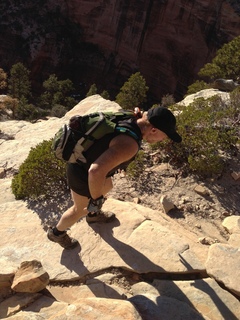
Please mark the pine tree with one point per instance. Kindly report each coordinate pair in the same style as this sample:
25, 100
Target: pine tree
19, 83
226, 64
57, 93
105, 95
3, 79
133, 93
51, 84
92, 90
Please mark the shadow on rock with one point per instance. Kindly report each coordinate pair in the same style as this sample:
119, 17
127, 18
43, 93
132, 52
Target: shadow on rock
132, 257
157, 305
71, 260
51, 209
161, 308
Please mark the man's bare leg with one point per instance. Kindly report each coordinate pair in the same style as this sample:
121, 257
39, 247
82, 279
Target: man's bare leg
79, 208
74, 213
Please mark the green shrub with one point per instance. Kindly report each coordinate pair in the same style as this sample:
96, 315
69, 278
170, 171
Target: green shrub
208, 133
197, 86
105, 95
58, 111
136, 167
41, 174
92, 90
226, 63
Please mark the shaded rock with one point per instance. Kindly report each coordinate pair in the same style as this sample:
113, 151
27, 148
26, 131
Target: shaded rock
6, 274
166, 204
225, 84
223, 262
42, 308
201, 295
6, 278
201, 190
160, 307
30, 277
17, 302
136, 200
204, 295
27, 316
2, 173
135, 244
235, 175
207, 240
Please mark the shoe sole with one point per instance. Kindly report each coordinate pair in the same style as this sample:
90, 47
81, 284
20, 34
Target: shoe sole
66, 248
106, 221
74, 245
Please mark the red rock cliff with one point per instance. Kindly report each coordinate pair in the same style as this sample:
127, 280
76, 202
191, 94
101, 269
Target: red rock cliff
168, 41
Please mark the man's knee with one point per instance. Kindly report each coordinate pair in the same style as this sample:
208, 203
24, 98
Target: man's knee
79, 211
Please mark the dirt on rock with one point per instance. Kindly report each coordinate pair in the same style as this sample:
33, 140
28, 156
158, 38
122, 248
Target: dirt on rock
202, 213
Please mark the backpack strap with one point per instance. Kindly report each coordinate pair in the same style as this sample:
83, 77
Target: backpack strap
128, 132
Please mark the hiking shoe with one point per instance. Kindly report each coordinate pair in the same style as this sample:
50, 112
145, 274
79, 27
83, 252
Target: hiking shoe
100, 217
64, 240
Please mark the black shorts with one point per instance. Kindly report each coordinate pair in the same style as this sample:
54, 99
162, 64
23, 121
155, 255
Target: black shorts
78, 179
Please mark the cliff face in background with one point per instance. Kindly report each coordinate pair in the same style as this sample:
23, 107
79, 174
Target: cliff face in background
105, 41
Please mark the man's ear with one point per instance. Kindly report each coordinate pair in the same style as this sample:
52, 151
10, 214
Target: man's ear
154, 130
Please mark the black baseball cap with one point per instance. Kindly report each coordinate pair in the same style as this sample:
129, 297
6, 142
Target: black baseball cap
164, 120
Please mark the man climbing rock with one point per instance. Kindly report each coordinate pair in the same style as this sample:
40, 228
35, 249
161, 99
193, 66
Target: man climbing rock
91, 181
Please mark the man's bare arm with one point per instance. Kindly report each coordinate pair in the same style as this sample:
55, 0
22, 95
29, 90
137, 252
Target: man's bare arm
122, 148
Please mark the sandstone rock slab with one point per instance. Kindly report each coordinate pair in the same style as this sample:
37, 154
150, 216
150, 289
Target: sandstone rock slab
89, 308
27, 135
158, 308
206, 93
204, 296
132, 241
97, 308
101, 286
15, 303
41, 308
223, 262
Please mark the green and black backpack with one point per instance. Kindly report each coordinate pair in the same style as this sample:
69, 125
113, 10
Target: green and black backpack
79, 135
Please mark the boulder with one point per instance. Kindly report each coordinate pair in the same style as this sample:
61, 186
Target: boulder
225, 84
232, 224
30, 277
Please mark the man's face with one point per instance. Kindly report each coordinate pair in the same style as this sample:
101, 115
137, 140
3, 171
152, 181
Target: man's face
155, 135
